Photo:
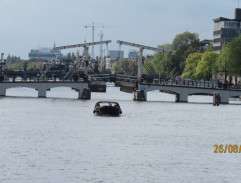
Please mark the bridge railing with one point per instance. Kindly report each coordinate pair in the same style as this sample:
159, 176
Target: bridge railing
41, 79
191, 83
113, 78
199, 84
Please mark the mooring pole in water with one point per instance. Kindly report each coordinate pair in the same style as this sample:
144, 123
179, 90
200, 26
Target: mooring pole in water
216, 99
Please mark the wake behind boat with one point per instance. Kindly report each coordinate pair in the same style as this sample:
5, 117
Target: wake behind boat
107, 108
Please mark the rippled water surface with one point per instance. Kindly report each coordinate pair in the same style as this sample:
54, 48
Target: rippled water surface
58, 139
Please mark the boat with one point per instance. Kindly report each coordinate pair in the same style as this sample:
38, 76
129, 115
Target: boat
107, 108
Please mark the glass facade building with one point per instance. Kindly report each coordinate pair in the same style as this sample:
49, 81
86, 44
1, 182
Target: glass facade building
226, 30
45, 54
133, 54
116, 54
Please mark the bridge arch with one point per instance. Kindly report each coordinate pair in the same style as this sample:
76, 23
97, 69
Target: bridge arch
171, 92
234, 96
62, 91
201, 93
13, 87
42, 87
54, 87
21, 91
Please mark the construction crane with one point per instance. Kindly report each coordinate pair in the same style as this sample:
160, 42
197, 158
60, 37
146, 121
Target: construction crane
140, 53
101, 38
93, 26
86, 49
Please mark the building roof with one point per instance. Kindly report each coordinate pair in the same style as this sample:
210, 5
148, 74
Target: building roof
225, 19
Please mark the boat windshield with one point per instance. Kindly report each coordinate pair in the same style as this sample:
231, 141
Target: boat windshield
107, 104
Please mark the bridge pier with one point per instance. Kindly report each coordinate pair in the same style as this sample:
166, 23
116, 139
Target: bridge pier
181, 97
2, 92
140, 95
84, 94
42, 93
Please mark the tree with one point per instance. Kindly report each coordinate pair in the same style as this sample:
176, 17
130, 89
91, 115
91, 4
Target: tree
163, 64
15, 59
232, 54
123, 65
17, 65
184, 44
207, 66
73, 57
32, 65
69, 56
159, 63
149, 68
222, 61
191, 65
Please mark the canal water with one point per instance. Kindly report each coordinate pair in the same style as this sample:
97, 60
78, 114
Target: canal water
58, 139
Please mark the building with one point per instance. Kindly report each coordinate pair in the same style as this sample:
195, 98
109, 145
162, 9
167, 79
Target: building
116, 54
109, 63
225, 30
8, 61
133, 54
45, 54
205, 44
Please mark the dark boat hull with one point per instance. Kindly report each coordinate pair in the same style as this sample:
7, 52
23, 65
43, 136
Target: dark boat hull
107, 111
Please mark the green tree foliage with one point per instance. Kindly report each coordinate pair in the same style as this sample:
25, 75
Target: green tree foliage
184, 44
159, 64
73, 57
17, 65
69, 56
124, 65
232, 55
149, 68
164, 64
15, 59
222, 60
191, 64
32, 65
201, 65
207, 66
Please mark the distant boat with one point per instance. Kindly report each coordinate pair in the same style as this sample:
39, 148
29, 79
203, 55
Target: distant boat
107, 108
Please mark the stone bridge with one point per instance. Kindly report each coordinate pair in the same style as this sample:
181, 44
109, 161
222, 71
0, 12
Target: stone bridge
43, 87
182, 92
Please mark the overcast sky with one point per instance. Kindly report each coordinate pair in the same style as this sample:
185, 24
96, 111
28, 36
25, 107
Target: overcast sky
30, 24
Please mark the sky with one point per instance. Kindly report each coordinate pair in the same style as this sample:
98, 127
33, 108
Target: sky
32, 24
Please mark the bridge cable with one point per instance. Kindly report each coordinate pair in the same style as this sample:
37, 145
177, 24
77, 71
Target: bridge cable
150, 69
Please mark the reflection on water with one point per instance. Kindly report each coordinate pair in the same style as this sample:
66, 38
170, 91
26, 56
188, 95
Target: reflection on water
58, 139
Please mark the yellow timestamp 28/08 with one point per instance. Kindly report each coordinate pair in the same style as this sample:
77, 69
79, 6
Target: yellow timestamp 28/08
227, 149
